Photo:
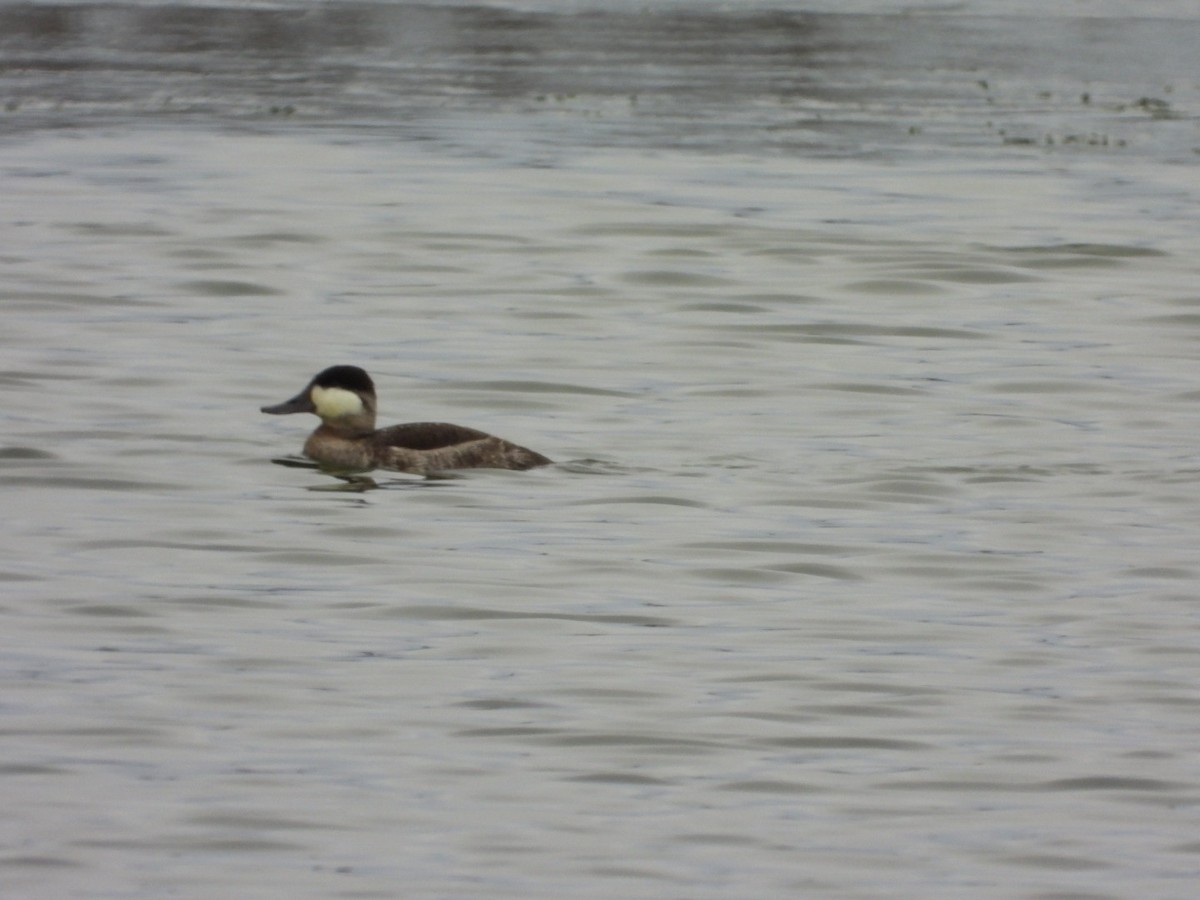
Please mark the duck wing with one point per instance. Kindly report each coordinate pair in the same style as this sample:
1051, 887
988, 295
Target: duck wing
435, 446
428, 436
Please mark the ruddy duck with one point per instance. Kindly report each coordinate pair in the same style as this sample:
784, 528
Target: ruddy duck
346, 440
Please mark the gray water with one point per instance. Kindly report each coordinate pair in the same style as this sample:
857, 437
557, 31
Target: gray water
865, 344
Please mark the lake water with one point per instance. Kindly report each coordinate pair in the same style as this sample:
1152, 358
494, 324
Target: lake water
865, 341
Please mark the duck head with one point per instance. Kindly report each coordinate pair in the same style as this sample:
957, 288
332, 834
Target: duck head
342, 396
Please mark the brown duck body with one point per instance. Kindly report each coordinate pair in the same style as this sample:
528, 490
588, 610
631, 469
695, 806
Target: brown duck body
347, 440
420, 447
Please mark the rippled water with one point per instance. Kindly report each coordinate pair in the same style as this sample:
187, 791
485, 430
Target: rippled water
866, 346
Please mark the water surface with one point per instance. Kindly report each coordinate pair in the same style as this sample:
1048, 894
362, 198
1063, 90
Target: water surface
865, 344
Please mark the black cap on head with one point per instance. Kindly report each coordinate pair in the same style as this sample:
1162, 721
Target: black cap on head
352, 378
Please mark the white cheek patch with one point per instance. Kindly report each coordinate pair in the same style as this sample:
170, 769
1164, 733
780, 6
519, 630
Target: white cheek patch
334, 403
